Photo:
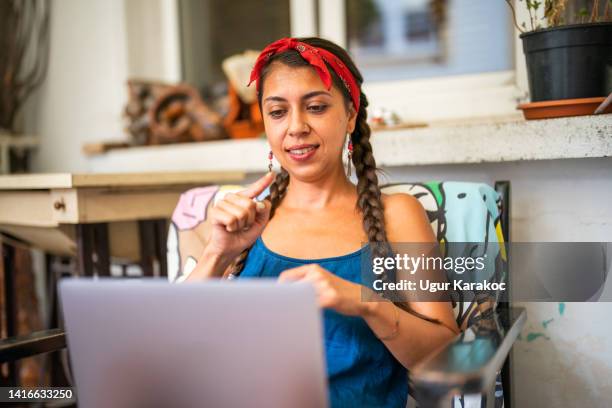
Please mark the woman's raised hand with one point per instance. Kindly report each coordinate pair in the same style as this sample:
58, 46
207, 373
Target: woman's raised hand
237, 220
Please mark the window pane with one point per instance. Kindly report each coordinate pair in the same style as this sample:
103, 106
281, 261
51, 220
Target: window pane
212, 30
403, 39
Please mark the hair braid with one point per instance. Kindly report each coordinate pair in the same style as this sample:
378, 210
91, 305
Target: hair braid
278, 190
369, 198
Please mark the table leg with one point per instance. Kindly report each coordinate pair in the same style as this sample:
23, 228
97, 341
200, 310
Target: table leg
92, 249
146, 233
162, 246
153, 235
84, 243
101, 249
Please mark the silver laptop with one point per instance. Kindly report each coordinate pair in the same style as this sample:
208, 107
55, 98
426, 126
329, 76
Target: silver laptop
149, 343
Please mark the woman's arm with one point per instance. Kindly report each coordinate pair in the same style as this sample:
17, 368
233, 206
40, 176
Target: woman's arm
210, 265
408, 337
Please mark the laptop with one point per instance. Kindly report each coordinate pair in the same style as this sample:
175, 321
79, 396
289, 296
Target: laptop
150, 343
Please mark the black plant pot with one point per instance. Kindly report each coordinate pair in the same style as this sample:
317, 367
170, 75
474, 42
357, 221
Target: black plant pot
569, 62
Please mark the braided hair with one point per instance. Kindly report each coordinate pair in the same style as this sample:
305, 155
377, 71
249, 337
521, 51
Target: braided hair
369, 201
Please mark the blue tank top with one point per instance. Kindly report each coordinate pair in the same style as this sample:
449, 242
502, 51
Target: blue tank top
361, 371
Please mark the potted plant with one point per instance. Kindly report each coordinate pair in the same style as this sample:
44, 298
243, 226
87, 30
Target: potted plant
568, 51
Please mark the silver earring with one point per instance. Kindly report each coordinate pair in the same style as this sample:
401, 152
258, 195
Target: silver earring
349, 156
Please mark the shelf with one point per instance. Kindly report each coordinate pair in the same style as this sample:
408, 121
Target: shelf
562, 138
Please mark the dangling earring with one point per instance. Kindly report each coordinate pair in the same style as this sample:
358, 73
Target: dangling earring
270, 157
350, 156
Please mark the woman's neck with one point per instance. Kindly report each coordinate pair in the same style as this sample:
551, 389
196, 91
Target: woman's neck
327, 191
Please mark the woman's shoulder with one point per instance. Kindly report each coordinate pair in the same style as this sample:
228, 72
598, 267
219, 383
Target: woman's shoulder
400, 202
406, 219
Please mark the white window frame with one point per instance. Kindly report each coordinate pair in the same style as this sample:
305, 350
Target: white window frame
155, 22
449, 98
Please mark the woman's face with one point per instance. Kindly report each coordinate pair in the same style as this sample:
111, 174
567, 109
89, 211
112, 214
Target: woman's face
306, 124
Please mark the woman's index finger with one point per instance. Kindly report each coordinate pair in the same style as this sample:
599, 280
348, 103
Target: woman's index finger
258, 186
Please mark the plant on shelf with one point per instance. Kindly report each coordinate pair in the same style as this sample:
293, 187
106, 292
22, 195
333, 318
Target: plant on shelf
562, 12
567, 46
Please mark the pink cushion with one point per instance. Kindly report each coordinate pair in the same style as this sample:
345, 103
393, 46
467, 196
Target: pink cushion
191, 208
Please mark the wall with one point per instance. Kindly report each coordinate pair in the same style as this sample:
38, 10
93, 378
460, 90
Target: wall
566, 361
83, 94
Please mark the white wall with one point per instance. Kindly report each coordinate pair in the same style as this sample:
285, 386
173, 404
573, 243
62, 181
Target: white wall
565, 201
83, 95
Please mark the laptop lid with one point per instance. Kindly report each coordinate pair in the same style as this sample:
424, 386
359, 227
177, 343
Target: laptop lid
148, 343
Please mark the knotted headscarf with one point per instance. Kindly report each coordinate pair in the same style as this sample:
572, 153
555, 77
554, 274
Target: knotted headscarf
317, 57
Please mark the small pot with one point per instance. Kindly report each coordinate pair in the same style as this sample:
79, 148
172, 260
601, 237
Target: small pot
569, 62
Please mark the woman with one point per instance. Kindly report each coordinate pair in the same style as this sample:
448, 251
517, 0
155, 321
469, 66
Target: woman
311, 226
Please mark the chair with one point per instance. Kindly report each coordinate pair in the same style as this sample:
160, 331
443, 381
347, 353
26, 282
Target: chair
467, 370
469, 367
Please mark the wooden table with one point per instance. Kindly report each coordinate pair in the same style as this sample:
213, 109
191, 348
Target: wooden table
92, 217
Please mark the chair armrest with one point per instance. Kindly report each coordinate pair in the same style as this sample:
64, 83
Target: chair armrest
471, 361
45, 341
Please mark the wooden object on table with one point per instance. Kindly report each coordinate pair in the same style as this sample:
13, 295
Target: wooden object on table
142, 94
180, 115
93, 149
243, 120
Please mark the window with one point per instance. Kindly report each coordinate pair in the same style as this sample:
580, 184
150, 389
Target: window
402, 39
430, 60
386, 37
212, 30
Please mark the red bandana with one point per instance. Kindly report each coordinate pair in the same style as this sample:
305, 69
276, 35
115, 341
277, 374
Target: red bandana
315, 57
